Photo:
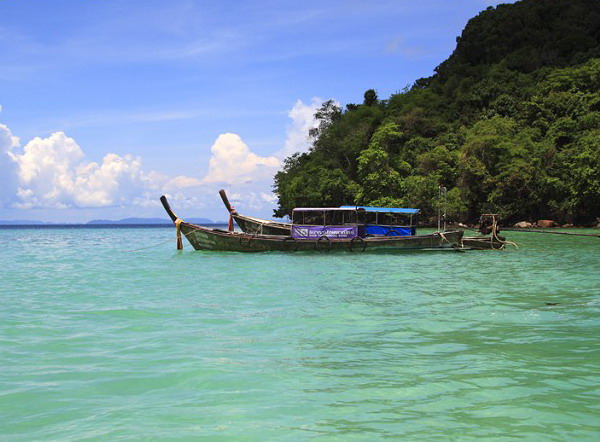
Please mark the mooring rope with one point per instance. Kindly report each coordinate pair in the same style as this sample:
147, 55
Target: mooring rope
443, 238
180, 244
501, 241
595, 235
147, 247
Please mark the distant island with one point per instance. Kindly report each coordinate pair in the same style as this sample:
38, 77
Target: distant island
106, 222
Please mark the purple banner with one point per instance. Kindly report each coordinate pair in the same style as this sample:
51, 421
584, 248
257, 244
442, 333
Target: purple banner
315, 232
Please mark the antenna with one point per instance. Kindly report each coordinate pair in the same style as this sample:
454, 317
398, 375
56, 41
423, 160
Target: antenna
442, 191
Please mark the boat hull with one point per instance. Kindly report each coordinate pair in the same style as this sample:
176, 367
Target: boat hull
203, 238
262, 227
482, 243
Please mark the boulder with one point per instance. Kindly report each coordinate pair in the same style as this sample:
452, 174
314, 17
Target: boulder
547, 223
523, 225
567, 226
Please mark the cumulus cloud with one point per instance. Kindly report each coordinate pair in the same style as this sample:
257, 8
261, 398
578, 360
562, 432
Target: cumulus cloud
53, 173
303, 119
232, 162
181, 182
8, 167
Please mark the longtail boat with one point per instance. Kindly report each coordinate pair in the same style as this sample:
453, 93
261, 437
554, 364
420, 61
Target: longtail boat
381, 221
490, 238
321, 229
253, 225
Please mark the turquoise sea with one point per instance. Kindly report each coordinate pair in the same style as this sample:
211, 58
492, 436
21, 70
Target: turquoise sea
111, 334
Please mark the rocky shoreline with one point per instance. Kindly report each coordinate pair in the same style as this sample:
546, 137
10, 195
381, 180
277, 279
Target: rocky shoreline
542, 224
548, 223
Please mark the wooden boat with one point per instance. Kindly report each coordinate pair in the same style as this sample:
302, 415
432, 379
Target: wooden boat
483, 243
253, 225
389, 221
489, 239
488, 223
310, 238
380, 221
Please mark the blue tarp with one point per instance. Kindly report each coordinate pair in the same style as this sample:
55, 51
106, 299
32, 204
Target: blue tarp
378, 230
383, 209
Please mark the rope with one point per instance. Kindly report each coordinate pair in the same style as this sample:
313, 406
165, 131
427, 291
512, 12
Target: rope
443, 238
178, 222
495, 236
148, 247
554, 233
230, 223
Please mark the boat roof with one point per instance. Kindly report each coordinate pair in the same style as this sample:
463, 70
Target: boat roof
383, 209
317, 209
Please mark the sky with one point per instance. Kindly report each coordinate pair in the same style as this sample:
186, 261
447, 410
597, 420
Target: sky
107, 105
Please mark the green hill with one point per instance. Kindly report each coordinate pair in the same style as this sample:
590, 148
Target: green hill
509, 123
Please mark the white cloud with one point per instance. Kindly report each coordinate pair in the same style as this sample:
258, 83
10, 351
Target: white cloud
303, 119
7, 139
232, 162
8, 167
181, 182
53, 173
252, 200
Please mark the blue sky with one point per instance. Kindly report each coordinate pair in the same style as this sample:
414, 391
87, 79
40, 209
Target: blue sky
106, 105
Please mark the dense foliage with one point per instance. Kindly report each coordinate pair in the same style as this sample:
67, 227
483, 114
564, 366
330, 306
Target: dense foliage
509, 124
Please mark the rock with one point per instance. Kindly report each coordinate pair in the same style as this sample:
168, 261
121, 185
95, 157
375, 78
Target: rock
547, 223
523, 225
567, 226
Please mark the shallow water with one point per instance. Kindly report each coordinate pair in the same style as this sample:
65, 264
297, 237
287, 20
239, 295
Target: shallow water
111, 333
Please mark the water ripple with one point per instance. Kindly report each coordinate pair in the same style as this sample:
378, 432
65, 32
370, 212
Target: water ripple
99, 343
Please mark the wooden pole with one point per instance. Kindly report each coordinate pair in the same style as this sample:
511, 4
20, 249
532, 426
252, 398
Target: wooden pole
175, 219
229, 207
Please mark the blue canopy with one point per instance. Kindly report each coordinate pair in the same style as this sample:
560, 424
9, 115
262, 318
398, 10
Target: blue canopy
321, 209
384, 209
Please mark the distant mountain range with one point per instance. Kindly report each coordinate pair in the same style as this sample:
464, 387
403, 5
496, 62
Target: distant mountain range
135, 221
154, 221
125, 221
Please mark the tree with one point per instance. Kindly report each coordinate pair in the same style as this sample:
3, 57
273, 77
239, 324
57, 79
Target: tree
370, 98
509, 124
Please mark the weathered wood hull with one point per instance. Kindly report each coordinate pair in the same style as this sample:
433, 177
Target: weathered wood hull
482, 243
203, 238
262, 227
255, 225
